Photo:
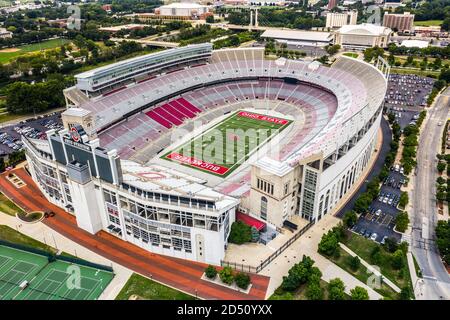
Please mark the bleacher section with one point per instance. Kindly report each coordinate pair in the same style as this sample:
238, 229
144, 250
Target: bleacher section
148, 133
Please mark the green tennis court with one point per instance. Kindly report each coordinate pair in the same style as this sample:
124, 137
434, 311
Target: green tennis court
56, 280
65, 281
17, 266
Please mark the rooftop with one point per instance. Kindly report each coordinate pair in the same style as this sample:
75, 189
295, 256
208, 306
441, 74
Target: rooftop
365, 28
297, 35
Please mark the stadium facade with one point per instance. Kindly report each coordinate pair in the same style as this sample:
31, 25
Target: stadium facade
117, 165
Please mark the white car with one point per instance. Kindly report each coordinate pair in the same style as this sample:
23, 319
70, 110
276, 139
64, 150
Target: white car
373, 237
378, 212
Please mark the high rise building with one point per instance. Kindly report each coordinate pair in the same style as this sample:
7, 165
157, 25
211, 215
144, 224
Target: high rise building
337, 20
399, 22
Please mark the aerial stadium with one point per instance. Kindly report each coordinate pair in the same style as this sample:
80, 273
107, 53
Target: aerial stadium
166, 149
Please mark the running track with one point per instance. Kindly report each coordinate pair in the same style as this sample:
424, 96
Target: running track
182, 274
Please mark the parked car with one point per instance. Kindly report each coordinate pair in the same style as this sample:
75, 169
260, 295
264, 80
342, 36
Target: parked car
373, 237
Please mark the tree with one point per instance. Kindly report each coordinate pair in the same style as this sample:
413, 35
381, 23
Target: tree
210, 19
242, 280
299, 274
350, 218
441, 166
329, 243
404, 199
405, 293
402, 221
390, 244
226, 275
211, 272
314, 291
240, 233
398, 260
359, 293
362, 203
443, 239
336, 289
355, 263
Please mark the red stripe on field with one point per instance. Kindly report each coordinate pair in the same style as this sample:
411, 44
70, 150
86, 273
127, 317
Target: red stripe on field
197, 163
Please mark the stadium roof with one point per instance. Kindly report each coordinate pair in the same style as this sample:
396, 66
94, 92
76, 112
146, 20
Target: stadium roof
184, 5
168, 181
365, 29
310, 36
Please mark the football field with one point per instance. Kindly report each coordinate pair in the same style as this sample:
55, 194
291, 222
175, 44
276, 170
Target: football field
224, 147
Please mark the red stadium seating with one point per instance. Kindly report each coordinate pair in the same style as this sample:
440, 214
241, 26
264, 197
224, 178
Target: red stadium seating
189, 105
152, 114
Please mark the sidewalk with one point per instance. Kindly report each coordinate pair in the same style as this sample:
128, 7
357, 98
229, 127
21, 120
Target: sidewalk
44, 234
371, 268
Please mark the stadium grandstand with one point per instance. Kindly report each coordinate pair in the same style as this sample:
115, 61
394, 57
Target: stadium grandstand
164, 149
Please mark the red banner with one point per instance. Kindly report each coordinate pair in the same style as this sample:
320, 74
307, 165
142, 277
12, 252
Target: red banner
262, 117
198, 163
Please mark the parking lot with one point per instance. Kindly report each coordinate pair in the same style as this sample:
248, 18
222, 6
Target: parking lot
408, 92
10, 140
379, 221
406, 97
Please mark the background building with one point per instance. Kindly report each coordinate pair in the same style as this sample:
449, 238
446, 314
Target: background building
5, 33
362, 36
186, 10
399, 22
332, 4
337, 20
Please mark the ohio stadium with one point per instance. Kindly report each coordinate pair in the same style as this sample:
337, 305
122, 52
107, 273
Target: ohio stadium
167, 150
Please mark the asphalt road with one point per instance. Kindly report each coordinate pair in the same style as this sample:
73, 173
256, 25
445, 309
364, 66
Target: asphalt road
436, 280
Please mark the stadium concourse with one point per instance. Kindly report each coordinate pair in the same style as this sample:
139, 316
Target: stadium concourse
162, 150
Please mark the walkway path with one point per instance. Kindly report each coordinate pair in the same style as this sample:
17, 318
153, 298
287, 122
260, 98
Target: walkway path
371, 268
181, 274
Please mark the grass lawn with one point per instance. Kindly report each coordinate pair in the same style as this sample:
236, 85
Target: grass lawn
49, 44
300, 293
428, 23
224, 147
350, 54
423, 73
363, 247
11, 235
343, 261
150, 290
7, 206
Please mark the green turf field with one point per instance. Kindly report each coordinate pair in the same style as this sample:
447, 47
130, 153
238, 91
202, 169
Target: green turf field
224, 147
29, 48
56, 280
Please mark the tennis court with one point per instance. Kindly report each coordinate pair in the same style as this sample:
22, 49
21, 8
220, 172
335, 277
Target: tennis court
15, 267
56, 280
62, 280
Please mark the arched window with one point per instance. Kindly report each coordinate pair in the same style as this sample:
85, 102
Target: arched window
264, 208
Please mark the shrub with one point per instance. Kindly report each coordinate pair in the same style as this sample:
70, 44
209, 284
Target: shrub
211, 272
226, 275
401, 221
398, 260
240, 233
329, 243
355, 263
242, 280
314, 291
406, 293
336, 289
359, 293
350, 218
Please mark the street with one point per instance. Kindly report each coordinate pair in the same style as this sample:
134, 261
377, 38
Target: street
436, 281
